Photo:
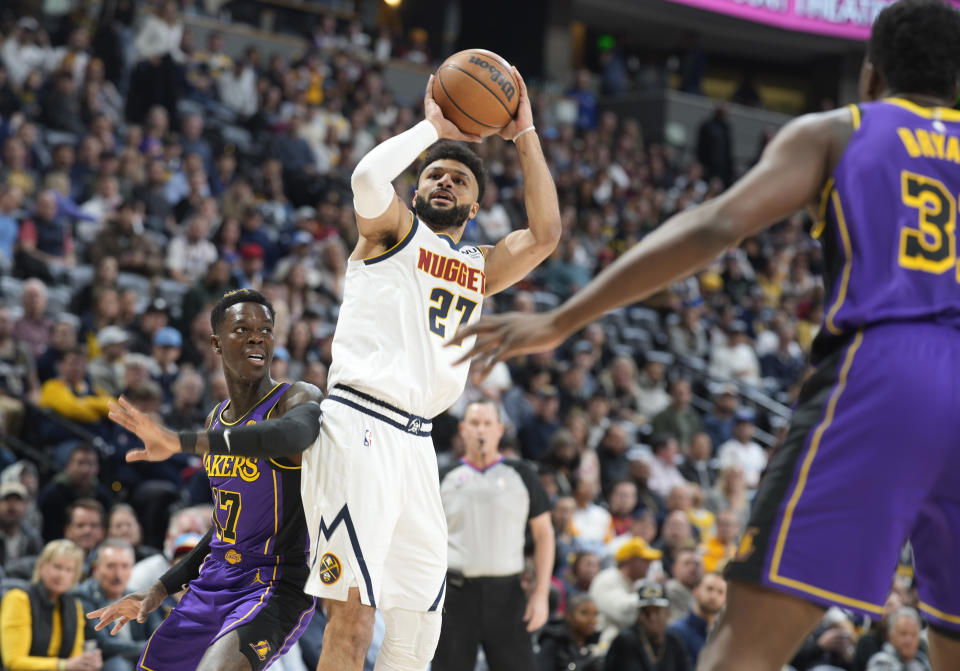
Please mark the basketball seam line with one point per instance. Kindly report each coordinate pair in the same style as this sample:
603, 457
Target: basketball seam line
492, 92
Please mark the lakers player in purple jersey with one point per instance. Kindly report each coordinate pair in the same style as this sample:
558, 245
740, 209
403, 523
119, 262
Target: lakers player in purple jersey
873, 452
244, 605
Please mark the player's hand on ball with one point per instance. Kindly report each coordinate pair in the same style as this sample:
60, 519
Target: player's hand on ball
134, 606
159, 442
504, 336
523, 119
446, 129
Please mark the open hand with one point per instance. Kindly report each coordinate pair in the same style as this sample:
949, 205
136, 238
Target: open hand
159, 442
134, 606
523, 119
504, 336
446, 129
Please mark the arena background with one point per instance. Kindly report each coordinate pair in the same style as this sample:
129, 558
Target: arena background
223, 161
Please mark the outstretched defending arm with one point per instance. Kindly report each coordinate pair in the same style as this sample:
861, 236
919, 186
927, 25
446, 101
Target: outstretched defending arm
287, 436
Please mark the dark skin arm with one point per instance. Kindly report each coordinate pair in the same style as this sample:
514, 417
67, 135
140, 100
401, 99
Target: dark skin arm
161, 443
788, 178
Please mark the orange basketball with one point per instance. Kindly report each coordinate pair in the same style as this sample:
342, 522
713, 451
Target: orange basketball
477, 91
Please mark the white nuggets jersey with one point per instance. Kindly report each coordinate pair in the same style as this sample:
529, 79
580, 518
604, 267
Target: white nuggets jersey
399, 308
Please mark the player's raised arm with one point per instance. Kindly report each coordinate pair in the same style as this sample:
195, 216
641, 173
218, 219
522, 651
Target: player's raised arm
381, 216
789, 177
511, 259
295, 429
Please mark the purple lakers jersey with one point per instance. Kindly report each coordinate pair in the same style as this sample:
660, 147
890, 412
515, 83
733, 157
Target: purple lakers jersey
256, 502
888, 221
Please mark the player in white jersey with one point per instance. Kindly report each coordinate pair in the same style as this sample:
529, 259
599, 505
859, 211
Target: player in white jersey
370, 485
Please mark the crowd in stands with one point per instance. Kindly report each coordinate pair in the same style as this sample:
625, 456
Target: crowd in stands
142, 175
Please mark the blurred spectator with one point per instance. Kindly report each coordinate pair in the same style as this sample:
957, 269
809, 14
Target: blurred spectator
786, 363
60, 104
157, 49
122, 523
664, 474
11, 198
901, 652
645, 642
106, 371
675, 536
652, 396
34, 326
687, 571
614, 589
72, 396
534, 435
17, 539
736, 359
831, 644
612, 455
156, 316
18, 376
123, 238
679, 419
720, 547
742, 451
709, 598
184, 413
585, 99
86, 524
568, 645
110, 571
192, 522
77, 480
698, 466
730, 493
591, 523
719, 422
42, 627
622, 504
45, 246
190, 253
167, 347
715, 145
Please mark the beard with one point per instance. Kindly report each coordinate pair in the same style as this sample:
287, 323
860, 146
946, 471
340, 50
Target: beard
440, 219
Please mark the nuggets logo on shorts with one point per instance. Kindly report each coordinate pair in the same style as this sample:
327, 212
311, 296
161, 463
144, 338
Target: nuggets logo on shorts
232, 557
262, 648
330, 569
746, 547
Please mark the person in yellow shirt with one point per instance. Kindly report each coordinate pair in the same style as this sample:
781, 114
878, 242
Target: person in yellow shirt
721, 546
70, 394
41, 627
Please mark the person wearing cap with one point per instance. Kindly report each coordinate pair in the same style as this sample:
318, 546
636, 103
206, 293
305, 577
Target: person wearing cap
167, 347
106, 371
489, 503
16, 538
155, 317
741, 450
613, 589
250, 273
645, 644
190, 252
679, 420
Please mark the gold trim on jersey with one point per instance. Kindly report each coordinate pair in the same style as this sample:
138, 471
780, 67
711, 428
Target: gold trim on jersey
774, 573
855, 116
942, 113
399, 242
254, 407
821, 222
847, 264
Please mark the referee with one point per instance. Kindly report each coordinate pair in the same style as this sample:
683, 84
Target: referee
488, 502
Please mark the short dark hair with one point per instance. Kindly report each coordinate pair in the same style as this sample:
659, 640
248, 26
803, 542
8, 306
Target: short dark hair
87, 504
231, 298
457, 151
915, 45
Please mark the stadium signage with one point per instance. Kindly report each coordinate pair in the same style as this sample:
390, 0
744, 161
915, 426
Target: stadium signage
850, 19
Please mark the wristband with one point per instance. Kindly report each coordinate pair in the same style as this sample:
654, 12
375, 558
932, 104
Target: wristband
188, 441
61, 665
523, 132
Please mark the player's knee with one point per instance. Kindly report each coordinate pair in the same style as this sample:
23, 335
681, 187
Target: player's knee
410, 640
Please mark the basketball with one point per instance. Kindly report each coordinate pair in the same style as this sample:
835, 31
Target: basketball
477, 91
